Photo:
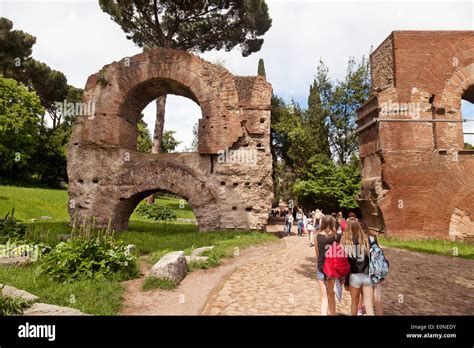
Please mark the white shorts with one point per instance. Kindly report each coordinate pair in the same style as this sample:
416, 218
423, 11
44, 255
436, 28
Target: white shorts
359, 279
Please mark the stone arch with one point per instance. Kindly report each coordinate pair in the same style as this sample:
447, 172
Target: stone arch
108, 177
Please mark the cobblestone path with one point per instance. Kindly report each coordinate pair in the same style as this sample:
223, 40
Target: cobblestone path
282, 282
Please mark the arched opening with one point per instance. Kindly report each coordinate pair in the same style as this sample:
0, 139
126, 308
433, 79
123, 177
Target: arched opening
181, 119
467, 112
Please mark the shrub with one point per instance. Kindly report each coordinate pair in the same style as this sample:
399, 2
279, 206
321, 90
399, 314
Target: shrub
90, 254
10, 228
12, 305
155, 212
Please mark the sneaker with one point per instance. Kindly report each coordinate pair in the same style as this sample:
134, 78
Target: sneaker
360, 312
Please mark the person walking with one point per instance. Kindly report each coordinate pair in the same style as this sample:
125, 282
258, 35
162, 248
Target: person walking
326, 237
288, 223
300, 222
356, 244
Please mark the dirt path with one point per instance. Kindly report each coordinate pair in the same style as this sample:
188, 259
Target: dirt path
279, 279
191, 295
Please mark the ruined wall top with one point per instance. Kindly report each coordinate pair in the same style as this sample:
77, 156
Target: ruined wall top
425, 59
121, 90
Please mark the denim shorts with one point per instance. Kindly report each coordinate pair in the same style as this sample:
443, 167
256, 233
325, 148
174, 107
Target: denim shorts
359, 279
320, 275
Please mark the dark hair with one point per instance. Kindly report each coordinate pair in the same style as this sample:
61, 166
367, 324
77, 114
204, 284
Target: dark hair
328, 222
352, 215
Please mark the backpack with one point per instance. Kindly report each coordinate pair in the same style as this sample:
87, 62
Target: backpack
378, 264
336, 264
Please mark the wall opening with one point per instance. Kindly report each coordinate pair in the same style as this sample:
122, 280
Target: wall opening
181, 117
467, 112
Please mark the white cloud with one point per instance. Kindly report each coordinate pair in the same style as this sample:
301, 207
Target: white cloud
77, 38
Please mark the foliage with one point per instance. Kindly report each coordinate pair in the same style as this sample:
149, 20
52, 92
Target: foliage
169, 142
339, 103
468, 146
20, 112
144, 142
10, 228
329, 186
90, 254
152, 283
155, 212
16, 47
12, 305
192, 25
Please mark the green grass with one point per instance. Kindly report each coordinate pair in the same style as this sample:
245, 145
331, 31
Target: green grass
89, 296
431, 246
158, 283
32, 203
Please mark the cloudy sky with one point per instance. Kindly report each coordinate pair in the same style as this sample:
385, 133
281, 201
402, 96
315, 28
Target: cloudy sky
77, 38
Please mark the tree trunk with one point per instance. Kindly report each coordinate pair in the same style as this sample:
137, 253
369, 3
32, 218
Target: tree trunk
158, 132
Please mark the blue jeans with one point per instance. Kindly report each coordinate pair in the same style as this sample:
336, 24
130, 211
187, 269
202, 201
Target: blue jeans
300, 227
288, 228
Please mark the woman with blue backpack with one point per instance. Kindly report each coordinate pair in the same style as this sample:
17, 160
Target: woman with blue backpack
356, 244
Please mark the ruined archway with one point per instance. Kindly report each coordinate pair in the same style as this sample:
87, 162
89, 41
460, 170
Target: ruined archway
416, 173
227, 182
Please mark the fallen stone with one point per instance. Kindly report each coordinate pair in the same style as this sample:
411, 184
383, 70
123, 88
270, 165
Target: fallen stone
48, 309
19, 261
199, 251
172, 266
10, 291
196, 259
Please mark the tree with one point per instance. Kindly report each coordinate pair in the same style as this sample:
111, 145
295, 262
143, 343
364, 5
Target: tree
16, 62
169, 143
16, 47
195, 26
20, 120
340, 102
261, 68
329, 186
50, 85
468, 146
144, 141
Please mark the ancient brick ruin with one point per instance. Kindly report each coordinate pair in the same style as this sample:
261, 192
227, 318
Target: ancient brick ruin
417, 178
228, 182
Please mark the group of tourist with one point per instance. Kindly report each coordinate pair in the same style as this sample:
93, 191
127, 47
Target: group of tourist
348, 257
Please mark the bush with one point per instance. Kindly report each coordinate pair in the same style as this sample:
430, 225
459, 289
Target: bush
11, 305
11, 229
90, 254
155, 212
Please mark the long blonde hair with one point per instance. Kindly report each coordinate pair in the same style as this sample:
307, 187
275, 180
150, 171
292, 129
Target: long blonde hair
354, 231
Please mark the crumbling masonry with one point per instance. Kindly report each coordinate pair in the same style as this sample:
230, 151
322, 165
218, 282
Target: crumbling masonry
225, 189
418, 180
